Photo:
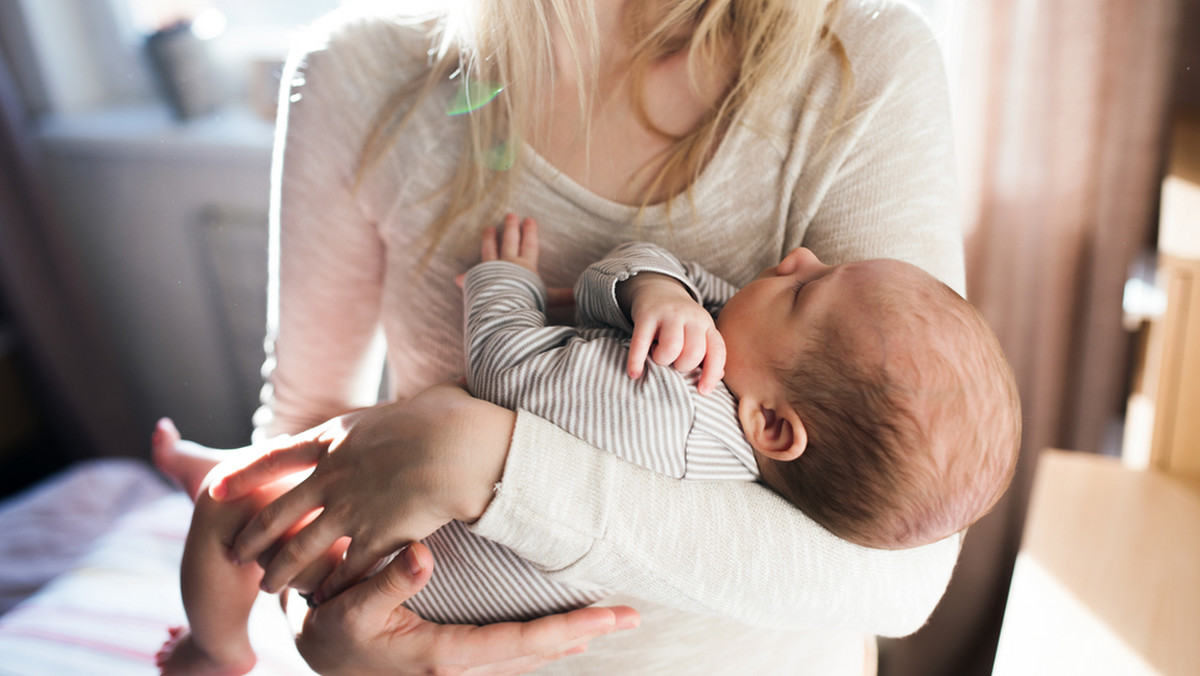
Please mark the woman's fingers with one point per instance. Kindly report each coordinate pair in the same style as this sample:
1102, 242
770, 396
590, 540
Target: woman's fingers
275, 520
546, 638
365, 629
358, 561
310, 579
290, 455
303, 548
380, 594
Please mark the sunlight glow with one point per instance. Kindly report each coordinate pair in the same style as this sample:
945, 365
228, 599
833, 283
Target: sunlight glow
209, 24
1042, 617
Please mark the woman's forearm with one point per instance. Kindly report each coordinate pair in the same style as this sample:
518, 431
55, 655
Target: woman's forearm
592, 520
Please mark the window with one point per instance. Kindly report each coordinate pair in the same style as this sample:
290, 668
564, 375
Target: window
149, 15
246, 40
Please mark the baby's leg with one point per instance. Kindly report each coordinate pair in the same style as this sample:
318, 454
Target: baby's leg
185, 462
217, 593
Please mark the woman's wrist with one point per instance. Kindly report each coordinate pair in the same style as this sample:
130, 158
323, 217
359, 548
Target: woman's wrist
486, 432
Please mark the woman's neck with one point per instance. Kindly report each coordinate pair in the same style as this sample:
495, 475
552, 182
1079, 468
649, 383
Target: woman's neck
609, 149
612, 49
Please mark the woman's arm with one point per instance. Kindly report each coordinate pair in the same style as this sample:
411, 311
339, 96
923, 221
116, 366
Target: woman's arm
728, 548
324, 356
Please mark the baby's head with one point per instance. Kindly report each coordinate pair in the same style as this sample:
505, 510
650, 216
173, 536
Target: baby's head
877, 399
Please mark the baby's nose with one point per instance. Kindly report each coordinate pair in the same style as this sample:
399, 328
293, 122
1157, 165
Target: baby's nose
795, 260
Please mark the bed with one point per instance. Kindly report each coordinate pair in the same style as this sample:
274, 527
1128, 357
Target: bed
89, 576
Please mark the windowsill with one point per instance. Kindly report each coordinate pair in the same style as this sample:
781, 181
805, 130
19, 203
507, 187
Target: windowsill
150, 131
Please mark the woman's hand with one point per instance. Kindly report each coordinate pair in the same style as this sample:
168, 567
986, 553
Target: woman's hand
365, 630
383, 476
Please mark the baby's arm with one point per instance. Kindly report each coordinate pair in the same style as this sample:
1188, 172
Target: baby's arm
505, 302
643, 284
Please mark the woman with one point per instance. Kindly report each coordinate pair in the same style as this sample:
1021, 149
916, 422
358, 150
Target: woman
727, 131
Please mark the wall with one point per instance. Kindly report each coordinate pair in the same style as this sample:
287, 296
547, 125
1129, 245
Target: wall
170, 221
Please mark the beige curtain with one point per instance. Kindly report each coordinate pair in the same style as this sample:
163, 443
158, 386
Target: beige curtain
1061, 111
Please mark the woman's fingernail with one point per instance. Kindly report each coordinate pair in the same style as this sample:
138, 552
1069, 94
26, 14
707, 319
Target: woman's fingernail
629, 622
218, 490
410, 560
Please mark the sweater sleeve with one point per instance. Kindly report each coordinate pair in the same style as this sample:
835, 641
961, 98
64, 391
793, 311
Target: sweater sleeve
727, 548
739, 550
324, 354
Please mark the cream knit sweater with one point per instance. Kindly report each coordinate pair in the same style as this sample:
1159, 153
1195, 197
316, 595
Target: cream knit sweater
728, 576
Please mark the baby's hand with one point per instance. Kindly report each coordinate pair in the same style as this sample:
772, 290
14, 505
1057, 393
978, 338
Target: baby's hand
518, 243
673, 329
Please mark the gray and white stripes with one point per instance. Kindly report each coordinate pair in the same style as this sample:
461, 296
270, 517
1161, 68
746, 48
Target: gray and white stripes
575, 378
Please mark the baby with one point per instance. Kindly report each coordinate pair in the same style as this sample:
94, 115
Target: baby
869, 395
873, 397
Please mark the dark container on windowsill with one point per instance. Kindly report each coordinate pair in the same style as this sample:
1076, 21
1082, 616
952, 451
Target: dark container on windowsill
184, 70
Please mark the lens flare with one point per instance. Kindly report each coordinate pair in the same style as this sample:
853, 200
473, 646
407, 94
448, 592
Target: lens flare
499, 158
473, 95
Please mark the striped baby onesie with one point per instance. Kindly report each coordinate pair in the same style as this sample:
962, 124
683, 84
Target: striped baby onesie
575, 377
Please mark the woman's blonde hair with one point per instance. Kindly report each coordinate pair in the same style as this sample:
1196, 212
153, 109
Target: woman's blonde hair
505, 46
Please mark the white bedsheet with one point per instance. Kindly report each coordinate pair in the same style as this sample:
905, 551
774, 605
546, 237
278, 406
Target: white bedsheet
45, 530
118, 532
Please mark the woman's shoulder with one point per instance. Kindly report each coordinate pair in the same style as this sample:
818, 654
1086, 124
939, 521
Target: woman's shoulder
364, 49
884, 38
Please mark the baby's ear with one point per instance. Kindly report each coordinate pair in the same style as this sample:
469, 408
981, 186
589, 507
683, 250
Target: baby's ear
776, 432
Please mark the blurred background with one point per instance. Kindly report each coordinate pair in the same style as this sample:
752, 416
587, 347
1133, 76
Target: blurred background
135, 146
142, 134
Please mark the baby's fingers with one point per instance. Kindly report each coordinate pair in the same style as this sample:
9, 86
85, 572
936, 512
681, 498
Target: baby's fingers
639, 347
488, 250
510, 240
693, 350
670, 344
529, 242
714, 362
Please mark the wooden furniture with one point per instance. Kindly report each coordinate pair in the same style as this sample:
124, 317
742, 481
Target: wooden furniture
1108, 577
1165, 401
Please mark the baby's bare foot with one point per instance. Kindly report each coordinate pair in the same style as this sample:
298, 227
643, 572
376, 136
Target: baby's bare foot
185, 462
181, 656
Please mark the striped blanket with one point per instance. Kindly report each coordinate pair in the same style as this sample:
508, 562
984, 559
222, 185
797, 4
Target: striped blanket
110, 612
